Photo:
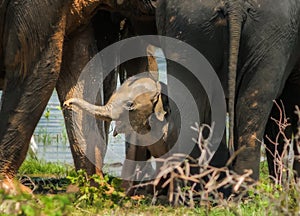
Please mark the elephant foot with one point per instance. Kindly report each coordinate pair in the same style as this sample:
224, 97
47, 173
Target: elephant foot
132, 189
13, 187
127, 187
142, 188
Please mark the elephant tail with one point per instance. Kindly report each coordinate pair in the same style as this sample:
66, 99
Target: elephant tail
235, 20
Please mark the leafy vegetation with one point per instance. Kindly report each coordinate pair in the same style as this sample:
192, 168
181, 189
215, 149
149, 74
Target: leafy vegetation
96, 196
92, 195
97, 191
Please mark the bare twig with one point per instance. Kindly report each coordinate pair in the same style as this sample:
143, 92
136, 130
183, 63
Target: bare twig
185, 187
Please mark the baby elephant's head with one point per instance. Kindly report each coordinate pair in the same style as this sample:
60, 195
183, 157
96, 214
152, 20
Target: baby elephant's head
136, 103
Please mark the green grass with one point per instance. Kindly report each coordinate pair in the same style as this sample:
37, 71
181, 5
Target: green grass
40, 167
64, 205
264, 199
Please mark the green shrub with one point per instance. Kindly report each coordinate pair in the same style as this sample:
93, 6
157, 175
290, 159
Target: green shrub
100, 192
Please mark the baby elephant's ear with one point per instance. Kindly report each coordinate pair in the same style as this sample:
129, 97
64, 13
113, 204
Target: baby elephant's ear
152, 63
159, 109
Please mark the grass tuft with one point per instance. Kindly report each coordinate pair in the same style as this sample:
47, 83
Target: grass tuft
41, 167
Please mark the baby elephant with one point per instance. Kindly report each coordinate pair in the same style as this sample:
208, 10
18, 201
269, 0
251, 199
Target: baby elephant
141, 113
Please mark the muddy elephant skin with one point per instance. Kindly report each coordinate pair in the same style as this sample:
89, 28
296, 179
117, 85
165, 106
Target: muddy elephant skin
254, 48
38, 55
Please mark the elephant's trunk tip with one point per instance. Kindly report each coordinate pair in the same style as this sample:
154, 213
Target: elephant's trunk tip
68, 103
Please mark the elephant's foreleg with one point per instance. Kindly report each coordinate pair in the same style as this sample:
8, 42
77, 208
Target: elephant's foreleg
135, 166
86, 147
24, 99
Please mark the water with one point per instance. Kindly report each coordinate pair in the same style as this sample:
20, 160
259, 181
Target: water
50, 134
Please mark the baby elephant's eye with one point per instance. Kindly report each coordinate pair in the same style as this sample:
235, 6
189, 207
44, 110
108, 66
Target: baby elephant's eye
129, 105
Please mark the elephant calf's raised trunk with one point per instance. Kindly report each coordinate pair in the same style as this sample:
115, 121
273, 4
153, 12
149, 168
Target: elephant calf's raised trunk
101, 112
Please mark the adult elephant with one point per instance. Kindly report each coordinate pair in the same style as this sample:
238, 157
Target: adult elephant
254, 48
38, 55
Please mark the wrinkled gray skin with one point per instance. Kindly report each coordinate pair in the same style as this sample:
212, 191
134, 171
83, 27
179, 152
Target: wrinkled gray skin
137, 107
37, 55
254, 48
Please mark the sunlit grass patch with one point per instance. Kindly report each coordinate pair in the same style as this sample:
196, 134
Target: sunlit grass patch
41, 167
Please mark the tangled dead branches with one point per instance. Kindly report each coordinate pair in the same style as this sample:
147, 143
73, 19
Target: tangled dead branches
193, 181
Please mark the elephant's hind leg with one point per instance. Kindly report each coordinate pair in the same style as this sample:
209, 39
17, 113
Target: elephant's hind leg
24, 100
